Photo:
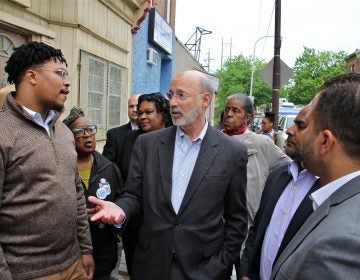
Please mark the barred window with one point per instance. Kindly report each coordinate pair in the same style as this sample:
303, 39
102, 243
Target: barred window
102, 85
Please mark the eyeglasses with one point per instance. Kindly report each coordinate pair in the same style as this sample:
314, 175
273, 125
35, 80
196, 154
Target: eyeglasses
146, 112
80, 131
180, 95
63, 73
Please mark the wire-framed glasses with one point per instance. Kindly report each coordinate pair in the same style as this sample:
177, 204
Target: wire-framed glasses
180, 95
63, 73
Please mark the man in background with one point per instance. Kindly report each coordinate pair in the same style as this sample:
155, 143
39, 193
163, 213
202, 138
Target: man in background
115, 136
279, 216
44, 230
327, 245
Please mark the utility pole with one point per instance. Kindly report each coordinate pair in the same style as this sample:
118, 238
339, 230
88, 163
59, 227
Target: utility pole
208, 62
253, 65
222, 51
276, 69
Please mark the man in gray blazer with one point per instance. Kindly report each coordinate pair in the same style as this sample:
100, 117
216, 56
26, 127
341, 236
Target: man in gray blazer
190, 182
327, 245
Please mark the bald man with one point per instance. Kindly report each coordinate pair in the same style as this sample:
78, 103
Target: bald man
115, 136
189, 180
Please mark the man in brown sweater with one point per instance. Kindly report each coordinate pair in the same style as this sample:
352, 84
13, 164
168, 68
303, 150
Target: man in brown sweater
44, 231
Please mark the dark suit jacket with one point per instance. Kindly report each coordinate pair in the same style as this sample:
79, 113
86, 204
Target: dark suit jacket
129, 235
126, 151
327, 245
114, 141
275, 185
205, 236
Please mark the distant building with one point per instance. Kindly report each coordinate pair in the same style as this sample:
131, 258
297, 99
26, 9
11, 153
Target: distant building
353, 61
158, 54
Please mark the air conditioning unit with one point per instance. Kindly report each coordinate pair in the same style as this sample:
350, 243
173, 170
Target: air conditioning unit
151, 56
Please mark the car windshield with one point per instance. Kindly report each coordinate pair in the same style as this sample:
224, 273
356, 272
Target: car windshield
290, 121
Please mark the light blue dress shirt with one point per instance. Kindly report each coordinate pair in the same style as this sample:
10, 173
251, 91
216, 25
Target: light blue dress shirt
38, 119
185, 156
285, 209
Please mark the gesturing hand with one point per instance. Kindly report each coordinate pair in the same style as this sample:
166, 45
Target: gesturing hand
105, 211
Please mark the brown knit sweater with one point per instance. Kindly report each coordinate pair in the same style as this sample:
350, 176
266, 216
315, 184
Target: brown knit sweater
43, 222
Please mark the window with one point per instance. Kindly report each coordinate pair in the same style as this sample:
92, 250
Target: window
6, 46
6, 49
102, 85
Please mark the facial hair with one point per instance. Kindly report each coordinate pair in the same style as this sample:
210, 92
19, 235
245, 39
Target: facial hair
187, 117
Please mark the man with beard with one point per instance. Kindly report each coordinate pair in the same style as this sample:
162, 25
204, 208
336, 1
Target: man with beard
327, 245
190, 182
44, 231
281, 208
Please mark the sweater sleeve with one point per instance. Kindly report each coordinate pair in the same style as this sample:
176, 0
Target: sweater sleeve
4, 268
83, 232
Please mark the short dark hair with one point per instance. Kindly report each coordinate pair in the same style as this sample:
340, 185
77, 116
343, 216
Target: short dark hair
30, 55
337, 108
161, 105
270, 116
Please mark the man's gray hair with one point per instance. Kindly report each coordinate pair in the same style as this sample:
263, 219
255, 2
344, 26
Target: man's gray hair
248, 103
206, 85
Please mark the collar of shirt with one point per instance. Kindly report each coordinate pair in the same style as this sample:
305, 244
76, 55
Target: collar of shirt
318, 197
38, 119
181, 135
134, 126
293, 170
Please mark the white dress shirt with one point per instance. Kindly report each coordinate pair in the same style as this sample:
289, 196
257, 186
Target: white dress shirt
318, 197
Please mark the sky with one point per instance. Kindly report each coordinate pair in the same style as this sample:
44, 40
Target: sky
324, 25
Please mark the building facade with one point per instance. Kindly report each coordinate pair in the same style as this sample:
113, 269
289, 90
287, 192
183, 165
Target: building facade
353, 62
96, 39
114, 48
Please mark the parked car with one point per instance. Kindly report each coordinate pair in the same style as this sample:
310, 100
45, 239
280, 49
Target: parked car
285, 121
255, 124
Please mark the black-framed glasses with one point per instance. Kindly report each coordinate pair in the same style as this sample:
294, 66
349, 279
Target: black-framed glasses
63, 73
80, 131
180, 95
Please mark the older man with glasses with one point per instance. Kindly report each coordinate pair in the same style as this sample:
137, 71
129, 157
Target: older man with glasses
189, 181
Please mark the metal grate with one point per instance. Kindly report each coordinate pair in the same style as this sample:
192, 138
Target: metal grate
96, 91
102, 86
115, 90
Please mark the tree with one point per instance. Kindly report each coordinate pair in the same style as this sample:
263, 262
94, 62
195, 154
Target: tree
235, 78
311, 69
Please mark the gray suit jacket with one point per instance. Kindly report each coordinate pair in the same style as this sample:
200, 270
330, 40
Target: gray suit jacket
204, 237
327, 246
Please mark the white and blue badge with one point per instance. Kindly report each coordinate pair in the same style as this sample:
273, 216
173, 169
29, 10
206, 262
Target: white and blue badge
104, 189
